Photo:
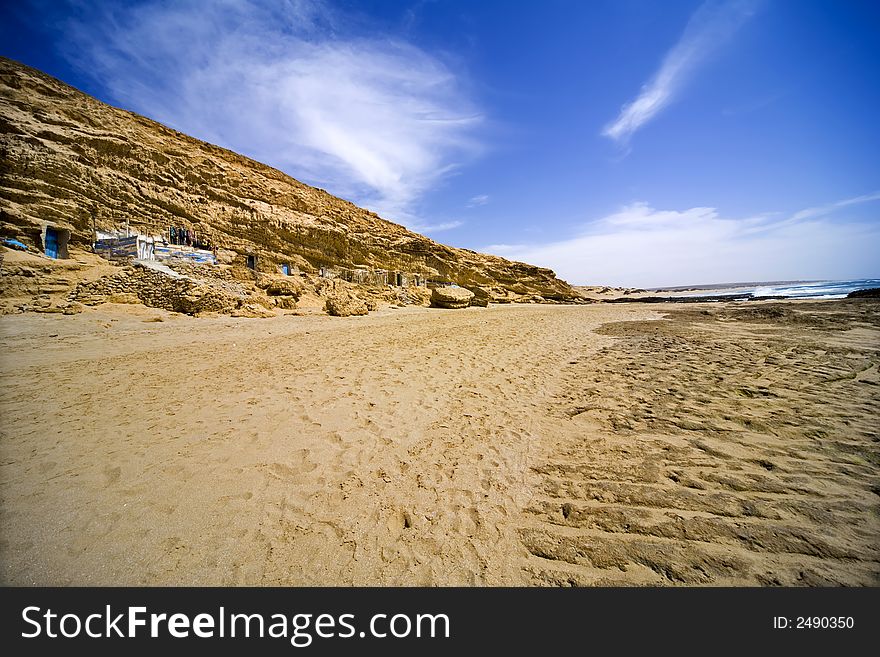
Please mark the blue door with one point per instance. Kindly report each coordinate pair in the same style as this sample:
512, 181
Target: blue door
285, 269
51, 243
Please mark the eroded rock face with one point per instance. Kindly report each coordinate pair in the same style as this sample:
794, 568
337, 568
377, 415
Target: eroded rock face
481, 297
344, 304
451, 297
158, 290
73, 160
283, 287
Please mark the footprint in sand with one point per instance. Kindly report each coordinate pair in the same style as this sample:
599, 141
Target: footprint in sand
399, 520
111, 475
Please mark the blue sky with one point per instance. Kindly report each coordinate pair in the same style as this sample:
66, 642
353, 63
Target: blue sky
618, 142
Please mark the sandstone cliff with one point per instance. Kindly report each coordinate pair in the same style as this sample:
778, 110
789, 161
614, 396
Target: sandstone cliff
68, 158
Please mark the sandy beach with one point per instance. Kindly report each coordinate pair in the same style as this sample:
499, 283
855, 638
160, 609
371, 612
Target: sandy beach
707, 444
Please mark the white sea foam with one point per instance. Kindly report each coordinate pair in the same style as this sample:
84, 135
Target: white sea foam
815, 289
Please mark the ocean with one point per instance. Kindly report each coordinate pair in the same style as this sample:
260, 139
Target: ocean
795, 290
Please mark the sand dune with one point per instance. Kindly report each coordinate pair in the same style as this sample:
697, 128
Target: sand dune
511, 445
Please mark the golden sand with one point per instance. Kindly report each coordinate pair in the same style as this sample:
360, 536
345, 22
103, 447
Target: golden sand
601, 444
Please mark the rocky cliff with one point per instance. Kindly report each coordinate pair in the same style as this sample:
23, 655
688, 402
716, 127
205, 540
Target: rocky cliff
70, 159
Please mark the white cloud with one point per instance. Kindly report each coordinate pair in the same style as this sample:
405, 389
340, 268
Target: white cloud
437, 228
713, 23
478, 200
373, 119
640, 246
823, 210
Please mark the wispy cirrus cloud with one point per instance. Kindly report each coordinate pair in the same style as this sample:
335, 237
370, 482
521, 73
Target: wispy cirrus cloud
641, 246
710, 26
437, 228
823, 210
478, 200
296, 84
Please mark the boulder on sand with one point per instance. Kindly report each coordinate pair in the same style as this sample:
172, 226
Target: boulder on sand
451, 297
481, 297
341, 303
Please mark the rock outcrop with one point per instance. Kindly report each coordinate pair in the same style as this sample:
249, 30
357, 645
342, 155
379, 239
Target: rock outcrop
481, 297
72, 160
451, 297
345, 304
158, 289
870, 293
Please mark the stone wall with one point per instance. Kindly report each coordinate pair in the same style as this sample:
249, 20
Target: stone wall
160, 290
